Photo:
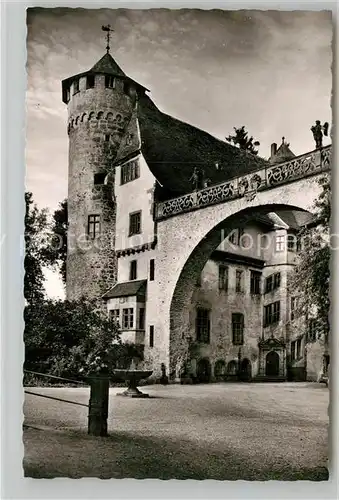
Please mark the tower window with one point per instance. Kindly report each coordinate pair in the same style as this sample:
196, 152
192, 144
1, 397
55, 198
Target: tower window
133, 270
223, 278
107, 137
99, 178
134, 223
237, 328
203, 325
127, 88
93, 228
127, 318
151, 270
90, 81
151, 336
76, 86
239, 280
129, 172
109, 82
271, 313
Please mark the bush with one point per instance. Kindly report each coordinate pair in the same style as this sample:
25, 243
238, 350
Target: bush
73, 339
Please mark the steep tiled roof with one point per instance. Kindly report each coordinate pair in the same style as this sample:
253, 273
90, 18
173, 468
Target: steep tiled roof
127, 289
295, 219
172, 149
108, 66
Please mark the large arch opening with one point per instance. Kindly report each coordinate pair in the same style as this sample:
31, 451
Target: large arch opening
193, 322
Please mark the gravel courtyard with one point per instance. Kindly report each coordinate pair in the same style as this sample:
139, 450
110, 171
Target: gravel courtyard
216, 431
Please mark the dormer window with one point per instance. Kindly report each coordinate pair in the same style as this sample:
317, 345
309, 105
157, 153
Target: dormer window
109, 82
67, 95
76, 87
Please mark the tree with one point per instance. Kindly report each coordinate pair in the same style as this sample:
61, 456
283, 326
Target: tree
312, 272
68, 338
56, 250
36, 227
243, 141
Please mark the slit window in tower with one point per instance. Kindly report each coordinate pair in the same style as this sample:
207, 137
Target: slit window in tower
93, 226
76, 87
90, 82
99, 178
134, 223
133, 270
107, 137
109, 82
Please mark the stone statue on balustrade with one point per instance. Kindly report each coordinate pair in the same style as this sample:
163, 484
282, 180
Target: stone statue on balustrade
197, 178
319, 131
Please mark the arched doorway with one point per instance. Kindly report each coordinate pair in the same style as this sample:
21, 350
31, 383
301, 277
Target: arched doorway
272, 364
220, 370
203, 371
245, 373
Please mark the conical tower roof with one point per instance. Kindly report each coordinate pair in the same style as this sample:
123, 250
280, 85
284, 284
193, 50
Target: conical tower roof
107, 65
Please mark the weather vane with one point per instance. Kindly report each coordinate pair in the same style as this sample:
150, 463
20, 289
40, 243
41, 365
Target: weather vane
108, 36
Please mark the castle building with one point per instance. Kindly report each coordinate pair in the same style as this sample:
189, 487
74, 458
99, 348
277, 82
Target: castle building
125, 156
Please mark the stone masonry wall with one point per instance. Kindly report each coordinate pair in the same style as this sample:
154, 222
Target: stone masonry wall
98, 118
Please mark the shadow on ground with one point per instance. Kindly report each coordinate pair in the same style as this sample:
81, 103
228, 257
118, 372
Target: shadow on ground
74, 454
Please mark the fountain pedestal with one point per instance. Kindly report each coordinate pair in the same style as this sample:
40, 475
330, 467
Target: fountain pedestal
132, 378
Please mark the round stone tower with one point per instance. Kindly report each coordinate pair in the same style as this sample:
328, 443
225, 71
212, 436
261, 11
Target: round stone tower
100, 107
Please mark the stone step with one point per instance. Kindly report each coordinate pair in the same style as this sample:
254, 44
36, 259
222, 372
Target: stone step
264, 378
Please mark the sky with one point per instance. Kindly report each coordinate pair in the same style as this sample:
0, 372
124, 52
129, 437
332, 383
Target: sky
267, 70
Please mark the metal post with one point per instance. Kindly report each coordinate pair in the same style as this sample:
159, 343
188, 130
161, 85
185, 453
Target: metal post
98, 406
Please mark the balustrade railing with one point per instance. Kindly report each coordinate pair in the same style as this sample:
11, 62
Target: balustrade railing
248, 185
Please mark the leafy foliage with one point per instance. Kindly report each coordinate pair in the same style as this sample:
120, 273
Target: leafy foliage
36, 227
242, 140
68, 338
312, 273
56, 250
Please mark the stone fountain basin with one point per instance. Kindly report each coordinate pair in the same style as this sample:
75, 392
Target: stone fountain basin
133, 377
136, 375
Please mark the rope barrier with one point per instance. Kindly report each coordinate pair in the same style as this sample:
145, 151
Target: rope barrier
57, 399
58, 378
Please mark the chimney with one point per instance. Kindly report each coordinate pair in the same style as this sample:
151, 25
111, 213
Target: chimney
273, 149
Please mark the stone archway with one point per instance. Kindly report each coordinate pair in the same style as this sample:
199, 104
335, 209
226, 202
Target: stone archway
272, 364
245, 372
185, 243
203, 371
220, 371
